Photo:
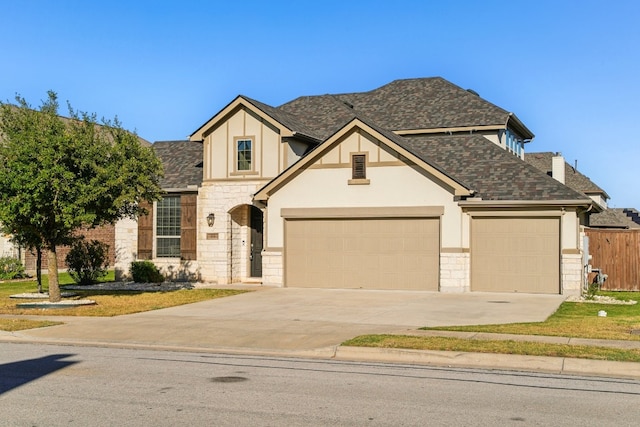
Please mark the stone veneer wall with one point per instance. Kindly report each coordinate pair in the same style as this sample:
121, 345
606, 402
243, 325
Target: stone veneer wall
215, 243
455, 272
572, 274
7, 249
126, 247
273, 268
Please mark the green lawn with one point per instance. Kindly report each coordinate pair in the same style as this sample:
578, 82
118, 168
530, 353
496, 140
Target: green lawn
494, 346
572, 319
577, 320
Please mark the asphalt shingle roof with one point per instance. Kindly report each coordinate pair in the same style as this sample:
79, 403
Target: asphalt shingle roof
323, 114
290, 121
612, 218
424, 103
573, 178
182, 162
411, 104
491, 171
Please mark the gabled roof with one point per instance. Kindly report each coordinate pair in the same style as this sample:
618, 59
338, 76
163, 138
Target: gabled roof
612, 218
573, 178
290, 121
491, 171
182, 163
410, 106
424, 104
288, 125
407, 115
385, 136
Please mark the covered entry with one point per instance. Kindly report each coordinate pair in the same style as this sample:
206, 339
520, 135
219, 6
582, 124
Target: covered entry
246, 232
515, 254
368, 253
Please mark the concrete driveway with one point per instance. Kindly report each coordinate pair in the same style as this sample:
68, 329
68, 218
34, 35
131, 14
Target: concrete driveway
301, 320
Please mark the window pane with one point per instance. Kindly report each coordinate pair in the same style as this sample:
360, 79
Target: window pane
244, 154
168, 214
168, 247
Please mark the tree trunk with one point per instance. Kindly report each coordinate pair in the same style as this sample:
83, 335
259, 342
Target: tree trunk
39, 268
54, 288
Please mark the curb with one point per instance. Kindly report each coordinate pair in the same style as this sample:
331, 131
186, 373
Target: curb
558, 365
515, 362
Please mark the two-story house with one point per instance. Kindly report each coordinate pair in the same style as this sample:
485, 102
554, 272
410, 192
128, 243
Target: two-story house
417, 185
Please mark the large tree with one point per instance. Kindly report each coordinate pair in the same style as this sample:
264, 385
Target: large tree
58, 175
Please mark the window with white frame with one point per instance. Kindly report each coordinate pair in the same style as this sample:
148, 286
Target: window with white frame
514, 143
168, 214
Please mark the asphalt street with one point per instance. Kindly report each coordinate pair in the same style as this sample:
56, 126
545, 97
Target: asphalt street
45, 385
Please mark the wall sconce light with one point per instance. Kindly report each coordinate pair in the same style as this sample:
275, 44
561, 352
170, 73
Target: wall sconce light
210, 219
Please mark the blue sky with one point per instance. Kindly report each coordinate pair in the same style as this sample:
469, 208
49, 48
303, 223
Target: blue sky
568, 69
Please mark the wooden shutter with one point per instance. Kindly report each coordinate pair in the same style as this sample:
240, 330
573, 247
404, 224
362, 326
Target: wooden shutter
188, 221
145, 232
358, 166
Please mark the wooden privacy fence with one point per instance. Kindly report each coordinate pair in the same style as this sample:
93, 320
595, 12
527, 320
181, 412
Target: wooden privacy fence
617, 254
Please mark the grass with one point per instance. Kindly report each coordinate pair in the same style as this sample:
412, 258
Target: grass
494, 346
12, 325
572, 319
576, 320
108, 303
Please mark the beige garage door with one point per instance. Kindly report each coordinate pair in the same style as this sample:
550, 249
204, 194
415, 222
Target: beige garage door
515, 255
390, 253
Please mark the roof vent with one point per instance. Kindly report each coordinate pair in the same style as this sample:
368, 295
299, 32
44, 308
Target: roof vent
473, 92
348, 104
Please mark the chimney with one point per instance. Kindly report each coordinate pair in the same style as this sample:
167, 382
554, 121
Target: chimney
557, 167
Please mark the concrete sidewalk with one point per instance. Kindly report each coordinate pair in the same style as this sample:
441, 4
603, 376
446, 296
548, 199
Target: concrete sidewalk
314, 322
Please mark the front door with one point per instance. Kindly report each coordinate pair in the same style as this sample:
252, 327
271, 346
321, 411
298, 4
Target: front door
255, 254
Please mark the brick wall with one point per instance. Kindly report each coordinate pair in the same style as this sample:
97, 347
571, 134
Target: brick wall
105, 234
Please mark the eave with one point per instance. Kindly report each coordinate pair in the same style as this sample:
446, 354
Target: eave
468, 129
505, 204
238, 103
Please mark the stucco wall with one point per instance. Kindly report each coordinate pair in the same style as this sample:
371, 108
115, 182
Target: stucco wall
392, 182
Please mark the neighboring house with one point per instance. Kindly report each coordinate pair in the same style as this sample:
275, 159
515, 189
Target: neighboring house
417, 185
554, 165
615, 218
117, 237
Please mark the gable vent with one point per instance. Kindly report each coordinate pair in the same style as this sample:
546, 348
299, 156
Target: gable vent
358, 166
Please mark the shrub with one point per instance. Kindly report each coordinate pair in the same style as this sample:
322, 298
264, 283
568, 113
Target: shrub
87, 261
11, 268
145, 272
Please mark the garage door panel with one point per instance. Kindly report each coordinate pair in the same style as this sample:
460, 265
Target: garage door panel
515, 255
389, 253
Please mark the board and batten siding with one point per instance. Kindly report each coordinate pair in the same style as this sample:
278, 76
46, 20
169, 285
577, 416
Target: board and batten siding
269, 155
